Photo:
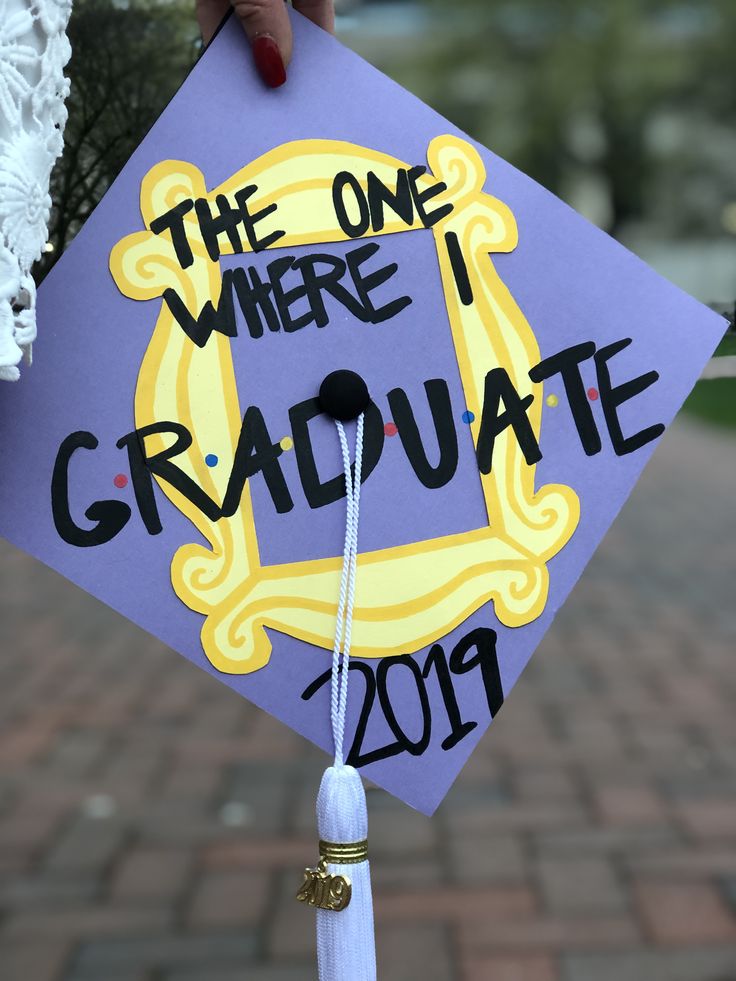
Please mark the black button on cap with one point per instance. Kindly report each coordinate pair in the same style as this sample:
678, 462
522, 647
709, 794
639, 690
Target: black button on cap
344, 395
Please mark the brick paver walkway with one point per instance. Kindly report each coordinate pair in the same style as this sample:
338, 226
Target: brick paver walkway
153, 826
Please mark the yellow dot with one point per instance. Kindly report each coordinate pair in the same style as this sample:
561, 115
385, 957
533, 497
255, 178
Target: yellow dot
552, 401
286, 443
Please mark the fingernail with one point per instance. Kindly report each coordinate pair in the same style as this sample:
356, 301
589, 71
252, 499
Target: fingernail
268, 60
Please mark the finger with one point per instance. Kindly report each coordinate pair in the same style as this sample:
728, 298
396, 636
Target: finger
267, 25
209, 16
320, 12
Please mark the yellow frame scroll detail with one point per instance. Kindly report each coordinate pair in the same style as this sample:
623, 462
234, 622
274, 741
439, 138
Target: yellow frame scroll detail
407, 596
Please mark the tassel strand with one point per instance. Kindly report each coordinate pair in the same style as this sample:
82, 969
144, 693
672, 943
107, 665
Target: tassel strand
345, 936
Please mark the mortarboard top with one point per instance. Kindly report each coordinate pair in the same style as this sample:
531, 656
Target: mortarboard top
521, 366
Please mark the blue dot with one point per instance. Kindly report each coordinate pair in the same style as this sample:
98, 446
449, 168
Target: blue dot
468, 416
211, 460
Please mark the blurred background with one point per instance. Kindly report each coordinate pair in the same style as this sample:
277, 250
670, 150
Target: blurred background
153, 826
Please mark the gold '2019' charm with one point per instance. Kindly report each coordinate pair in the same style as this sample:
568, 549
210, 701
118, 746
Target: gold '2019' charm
325, 890
330, 890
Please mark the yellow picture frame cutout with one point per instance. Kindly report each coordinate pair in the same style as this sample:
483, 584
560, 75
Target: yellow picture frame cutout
407, 596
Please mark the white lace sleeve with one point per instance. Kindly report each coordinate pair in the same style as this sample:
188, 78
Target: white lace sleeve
33, 51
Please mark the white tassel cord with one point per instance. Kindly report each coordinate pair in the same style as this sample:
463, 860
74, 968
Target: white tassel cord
346, 949
345, 938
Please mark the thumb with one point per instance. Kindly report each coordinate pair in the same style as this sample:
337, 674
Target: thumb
267, 25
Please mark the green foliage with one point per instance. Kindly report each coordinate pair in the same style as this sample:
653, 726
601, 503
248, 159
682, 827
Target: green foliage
714, 401
127, 63
636, 95
727, 347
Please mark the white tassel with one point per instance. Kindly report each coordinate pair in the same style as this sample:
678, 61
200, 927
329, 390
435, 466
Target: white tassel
346, 948
340, 886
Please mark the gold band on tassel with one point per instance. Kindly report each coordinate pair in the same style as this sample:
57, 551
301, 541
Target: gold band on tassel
326, 890
349, 854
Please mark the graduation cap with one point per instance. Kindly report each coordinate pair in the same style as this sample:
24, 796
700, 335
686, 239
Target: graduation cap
321, 376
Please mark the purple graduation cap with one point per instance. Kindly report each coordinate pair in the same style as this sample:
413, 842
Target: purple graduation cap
174, 449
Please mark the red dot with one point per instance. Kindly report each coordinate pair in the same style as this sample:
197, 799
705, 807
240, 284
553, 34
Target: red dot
390, 429
120, 480
593, 394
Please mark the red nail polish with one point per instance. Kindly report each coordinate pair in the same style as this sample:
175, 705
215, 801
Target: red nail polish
268, 61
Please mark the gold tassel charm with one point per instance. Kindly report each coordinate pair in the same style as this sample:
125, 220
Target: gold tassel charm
325, 890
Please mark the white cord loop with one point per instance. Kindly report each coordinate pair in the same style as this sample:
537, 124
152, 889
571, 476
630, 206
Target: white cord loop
346, 947
344, 624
